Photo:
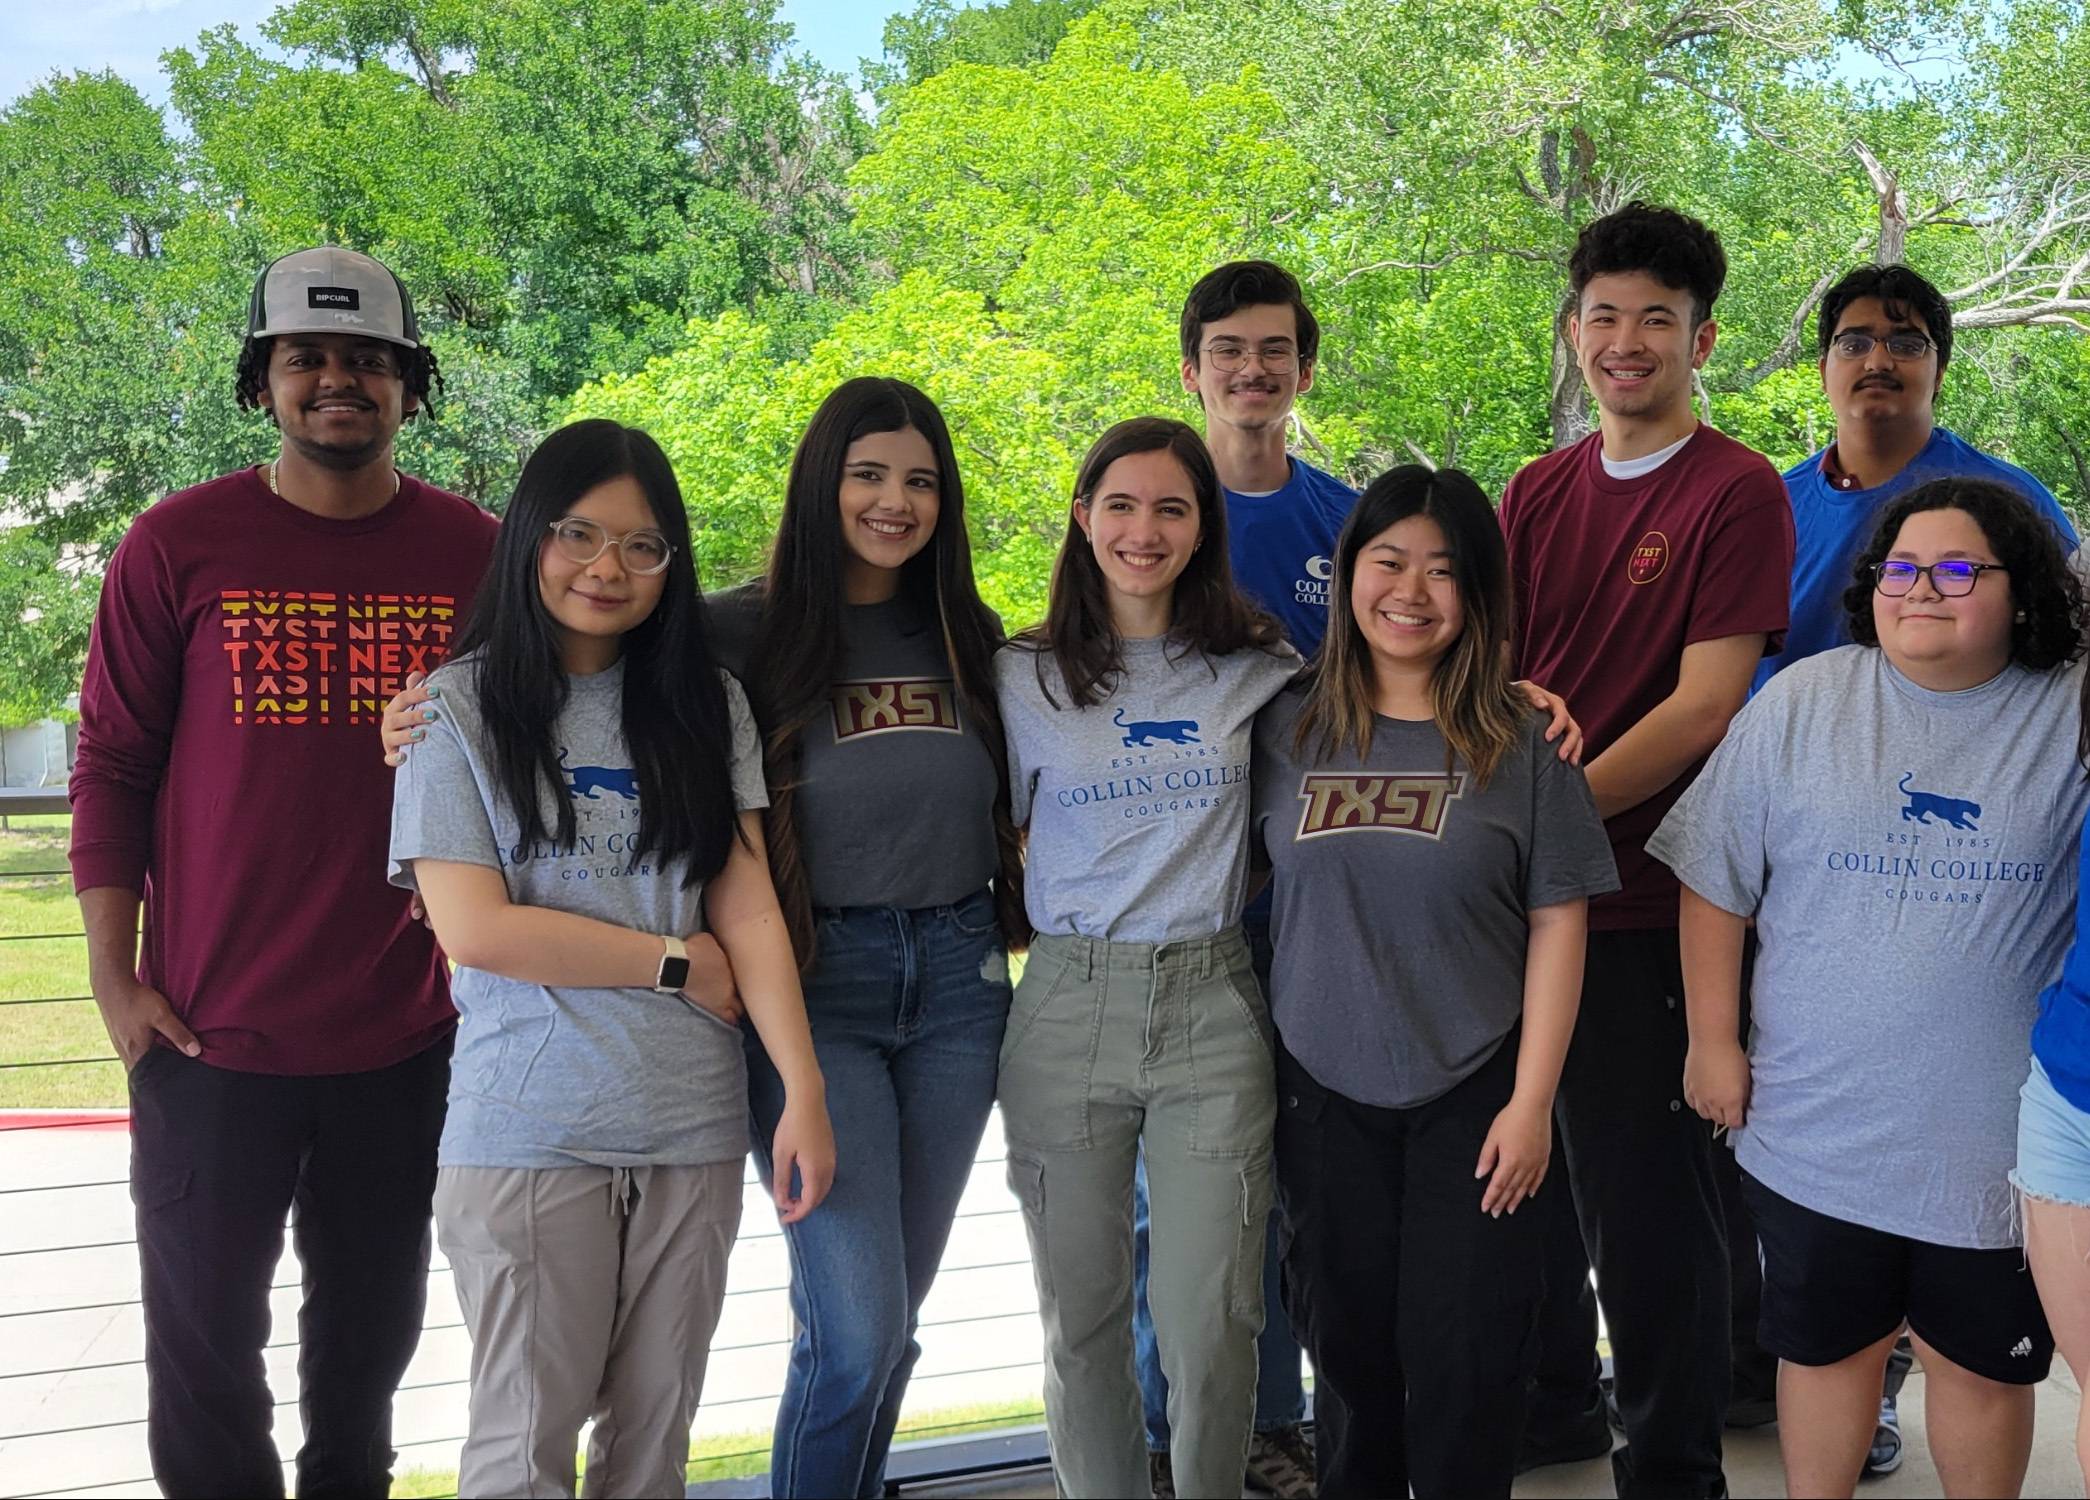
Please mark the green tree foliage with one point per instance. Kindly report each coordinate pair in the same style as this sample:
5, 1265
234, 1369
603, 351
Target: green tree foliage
1049, 218
563, 188
653, 209
936, 34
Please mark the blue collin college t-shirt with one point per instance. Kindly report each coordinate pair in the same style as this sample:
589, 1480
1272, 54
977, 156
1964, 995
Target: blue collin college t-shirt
1283, 549
1831, 525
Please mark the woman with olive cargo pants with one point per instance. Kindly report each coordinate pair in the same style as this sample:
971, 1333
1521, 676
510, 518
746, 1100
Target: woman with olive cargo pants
1128, 717
1112, 1044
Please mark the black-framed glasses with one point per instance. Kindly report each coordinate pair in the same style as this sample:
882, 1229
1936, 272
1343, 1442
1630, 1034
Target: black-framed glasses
1953, 578
1899, 345
1231, 355
580, 540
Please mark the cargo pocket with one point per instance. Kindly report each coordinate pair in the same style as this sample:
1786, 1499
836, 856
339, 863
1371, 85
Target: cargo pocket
1245, 1286
1027, 1182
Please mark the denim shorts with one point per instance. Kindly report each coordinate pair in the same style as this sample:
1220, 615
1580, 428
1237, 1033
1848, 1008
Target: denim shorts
2053, 1144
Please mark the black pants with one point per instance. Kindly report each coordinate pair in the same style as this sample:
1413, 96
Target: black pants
1418, 1310
1755, 1373
1641, 1163
217, 1160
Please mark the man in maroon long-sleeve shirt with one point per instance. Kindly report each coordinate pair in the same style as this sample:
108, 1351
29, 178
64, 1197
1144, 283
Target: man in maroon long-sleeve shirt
286, 1024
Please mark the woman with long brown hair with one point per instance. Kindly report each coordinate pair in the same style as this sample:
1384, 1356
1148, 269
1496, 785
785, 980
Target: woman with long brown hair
867, 653
1138, 1022
1432, 859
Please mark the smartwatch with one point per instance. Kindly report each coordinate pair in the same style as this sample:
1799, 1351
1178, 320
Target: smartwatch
674, 968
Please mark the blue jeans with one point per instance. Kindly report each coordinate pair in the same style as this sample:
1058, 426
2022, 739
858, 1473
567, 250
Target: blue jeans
907, 1009
1280, 1393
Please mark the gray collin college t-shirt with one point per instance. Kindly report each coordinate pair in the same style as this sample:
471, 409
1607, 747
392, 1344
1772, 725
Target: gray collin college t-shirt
1910, 858
896, 799
1402, 893
1137, 806
560, 1077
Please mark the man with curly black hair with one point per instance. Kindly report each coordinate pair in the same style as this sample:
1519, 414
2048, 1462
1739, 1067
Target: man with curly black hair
286, 1024
1650, 562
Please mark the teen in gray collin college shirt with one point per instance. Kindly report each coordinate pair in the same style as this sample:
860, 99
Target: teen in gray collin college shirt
897, 802
1396, 843
1137, 806
1909, 857
559, 1077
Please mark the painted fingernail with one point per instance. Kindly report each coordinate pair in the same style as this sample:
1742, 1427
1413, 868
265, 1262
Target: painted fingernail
420, 734
428, 713
434, 691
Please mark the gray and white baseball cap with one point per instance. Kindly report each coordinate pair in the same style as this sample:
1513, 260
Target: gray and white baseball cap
330, 290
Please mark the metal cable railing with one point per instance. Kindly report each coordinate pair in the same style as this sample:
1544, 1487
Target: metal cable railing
72, 1421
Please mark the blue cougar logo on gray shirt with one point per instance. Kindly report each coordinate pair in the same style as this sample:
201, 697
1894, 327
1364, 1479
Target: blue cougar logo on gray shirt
1143, 732
1953, 812
586, 781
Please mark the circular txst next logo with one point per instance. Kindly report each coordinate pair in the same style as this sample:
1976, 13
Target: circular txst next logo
1650, 555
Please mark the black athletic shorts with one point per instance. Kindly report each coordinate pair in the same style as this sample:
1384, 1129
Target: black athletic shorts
1831, 1288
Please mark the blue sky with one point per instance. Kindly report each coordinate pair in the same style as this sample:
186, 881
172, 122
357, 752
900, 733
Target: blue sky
38, 37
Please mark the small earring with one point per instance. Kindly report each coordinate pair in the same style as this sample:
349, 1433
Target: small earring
2021, 617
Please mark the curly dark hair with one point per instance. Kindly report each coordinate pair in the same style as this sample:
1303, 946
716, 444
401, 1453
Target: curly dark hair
1903, 295
1674, 248
2043, 587
417, 367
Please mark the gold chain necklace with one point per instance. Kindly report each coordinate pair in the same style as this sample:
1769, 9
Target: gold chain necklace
270, 475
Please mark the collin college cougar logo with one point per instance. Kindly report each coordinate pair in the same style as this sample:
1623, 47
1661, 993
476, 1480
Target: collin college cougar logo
903, 703
1412, 803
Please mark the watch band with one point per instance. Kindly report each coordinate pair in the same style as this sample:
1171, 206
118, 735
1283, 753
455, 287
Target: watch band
674, 967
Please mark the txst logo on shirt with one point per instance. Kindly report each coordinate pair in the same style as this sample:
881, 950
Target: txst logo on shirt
303, 657
1649, 559
870, 706
1415, 802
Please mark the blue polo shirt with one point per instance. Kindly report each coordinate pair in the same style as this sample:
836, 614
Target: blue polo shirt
1831, 525
1283, 549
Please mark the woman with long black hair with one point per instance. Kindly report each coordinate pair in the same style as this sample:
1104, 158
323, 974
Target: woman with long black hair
868, 655
581, 823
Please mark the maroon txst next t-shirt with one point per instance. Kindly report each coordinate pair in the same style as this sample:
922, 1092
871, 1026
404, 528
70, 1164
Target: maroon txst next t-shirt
1614, 577
229, 764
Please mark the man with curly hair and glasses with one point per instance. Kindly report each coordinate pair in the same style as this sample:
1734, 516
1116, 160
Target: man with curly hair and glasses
285, 1022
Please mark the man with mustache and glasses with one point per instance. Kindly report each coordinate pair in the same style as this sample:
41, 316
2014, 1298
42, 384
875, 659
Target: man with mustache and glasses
286, 1023
1885, 336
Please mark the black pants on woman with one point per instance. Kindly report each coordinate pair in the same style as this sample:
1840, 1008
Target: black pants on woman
1418, 1310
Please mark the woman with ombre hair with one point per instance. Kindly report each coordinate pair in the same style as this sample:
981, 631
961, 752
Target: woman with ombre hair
1432, 859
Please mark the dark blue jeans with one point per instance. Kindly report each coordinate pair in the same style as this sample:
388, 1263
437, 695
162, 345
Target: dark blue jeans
1280, 1392
907, 1009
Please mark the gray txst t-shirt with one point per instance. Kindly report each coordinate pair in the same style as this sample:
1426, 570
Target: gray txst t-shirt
546, 1077
896, 801
1138, 806
1910, 860
1401, 898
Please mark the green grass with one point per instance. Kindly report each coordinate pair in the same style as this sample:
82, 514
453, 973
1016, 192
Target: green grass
741, 1455
36, 896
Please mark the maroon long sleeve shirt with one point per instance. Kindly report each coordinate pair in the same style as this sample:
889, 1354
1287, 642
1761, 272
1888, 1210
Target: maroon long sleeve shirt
229, 766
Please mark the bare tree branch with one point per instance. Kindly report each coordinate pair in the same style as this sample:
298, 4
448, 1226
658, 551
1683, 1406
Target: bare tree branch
1514, 252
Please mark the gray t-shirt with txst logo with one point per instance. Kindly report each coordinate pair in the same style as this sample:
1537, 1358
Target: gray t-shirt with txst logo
1138, 805
896, 797
1910, 859
560, 1077
1403, 893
